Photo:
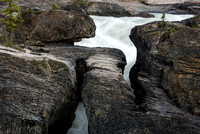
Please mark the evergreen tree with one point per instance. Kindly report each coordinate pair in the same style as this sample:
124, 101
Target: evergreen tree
12, 16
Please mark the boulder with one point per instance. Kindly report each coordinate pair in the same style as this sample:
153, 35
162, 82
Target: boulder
54, 26
168, 62
38, 94
106, 9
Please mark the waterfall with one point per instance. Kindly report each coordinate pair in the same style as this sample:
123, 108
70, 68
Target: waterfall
114, 33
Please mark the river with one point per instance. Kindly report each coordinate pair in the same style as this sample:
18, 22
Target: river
114, 32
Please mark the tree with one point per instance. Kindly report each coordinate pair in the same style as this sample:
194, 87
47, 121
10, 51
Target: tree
164, 23
12, 16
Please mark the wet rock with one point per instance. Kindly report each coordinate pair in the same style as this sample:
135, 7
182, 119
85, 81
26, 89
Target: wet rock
38, 94
168, 62
54, 26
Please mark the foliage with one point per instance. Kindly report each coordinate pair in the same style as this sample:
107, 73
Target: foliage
164, 23
164, 27
163, 17
54, 6
7, 41
12, 16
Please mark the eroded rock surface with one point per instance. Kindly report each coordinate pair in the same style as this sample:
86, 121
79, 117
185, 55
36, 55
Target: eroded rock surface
167, 64
54, 26
111, 105
37, 94
40, 91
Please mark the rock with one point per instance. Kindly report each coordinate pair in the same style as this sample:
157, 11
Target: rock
168, 61
193, 22
111, 106
55, 26
110, 103
40, 90
190, 7
144, 15
38, 94
106, 9
161, 2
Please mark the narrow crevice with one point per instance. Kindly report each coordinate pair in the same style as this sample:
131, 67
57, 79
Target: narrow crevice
61, 122
80, 71
139, 91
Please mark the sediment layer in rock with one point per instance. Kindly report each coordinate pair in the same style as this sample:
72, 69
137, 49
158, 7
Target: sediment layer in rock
168, 62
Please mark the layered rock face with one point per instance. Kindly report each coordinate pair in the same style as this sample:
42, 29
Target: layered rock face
54, 26
167, 64
37, 94
111, 108
40, 93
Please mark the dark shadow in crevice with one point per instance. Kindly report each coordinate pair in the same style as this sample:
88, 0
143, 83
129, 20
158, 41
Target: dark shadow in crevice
80, 71
61, 122
139, 91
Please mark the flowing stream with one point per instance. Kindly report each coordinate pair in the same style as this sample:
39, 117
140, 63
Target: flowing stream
114, 33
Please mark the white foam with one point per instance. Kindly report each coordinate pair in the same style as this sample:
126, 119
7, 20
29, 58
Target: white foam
80, 124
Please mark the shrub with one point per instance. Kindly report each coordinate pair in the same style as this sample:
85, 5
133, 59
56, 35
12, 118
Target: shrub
11, 17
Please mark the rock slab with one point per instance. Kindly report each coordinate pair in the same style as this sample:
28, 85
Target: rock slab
168, 60
41, 27
38, 94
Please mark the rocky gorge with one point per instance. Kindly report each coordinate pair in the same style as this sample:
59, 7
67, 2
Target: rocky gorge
41, 85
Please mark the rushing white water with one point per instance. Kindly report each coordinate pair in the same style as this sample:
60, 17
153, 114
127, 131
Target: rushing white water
77, 127
114, 33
